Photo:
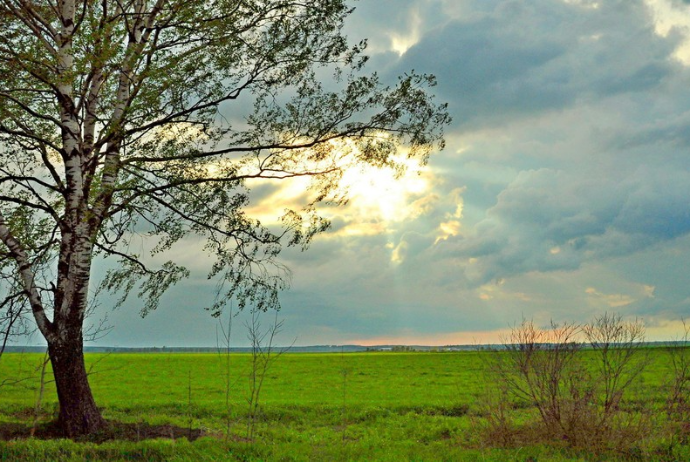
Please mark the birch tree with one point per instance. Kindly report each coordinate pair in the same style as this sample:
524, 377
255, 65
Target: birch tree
122, 118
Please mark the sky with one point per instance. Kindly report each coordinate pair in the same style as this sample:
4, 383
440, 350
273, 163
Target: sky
563, 192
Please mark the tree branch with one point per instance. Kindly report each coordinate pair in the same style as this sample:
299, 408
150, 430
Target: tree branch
27, 276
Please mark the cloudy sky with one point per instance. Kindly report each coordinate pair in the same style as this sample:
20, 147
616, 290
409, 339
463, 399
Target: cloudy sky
564, 190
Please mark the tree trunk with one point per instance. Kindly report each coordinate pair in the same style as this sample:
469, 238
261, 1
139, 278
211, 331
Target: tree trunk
79, 415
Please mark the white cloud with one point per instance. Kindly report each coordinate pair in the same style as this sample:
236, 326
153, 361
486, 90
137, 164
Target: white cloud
672, 17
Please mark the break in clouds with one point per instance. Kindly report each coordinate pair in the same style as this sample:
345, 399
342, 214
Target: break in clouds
564, 189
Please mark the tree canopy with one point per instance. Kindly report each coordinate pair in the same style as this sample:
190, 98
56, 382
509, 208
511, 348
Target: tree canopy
128, 118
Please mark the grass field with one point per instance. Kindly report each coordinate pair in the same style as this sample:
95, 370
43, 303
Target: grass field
368, 406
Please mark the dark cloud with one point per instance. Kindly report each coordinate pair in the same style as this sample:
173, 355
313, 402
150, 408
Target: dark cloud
657, 204
550, 220
526, 57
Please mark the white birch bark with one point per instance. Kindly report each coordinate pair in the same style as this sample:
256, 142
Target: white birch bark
27, 278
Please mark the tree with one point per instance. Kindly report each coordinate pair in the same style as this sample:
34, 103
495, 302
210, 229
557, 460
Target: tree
122, 118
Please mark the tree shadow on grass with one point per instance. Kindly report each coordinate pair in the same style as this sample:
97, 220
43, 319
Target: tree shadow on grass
114, 431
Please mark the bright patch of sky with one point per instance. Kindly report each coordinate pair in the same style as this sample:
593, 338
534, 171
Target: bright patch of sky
673, 17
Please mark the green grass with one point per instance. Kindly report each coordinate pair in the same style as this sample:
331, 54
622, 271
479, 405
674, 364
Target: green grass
369, 379
369, 406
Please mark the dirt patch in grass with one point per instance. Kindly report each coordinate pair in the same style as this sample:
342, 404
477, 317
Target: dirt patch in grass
114, 431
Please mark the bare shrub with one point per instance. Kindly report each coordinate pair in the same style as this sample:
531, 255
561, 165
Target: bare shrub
495, 406
263, 353
576, 376
678, 401
224, 348
618, 363
542, 368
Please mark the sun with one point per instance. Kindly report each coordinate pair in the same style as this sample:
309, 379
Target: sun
378, 198
381, 194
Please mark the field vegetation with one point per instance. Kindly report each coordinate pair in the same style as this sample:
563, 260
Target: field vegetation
351, 406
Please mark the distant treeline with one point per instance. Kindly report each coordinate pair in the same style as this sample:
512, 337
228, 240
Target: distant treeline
302, 349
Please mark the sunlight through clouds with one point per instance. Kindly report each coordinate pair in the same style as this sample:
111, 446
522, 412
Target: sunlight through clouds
401, 43
498, 292
610, 300
451, 227
378, 199
282, 195
378, 192
619, 300
672, 18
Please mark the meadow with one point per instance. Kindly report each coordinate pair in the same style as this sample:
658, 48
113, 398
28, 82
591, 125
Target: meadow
350, 406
